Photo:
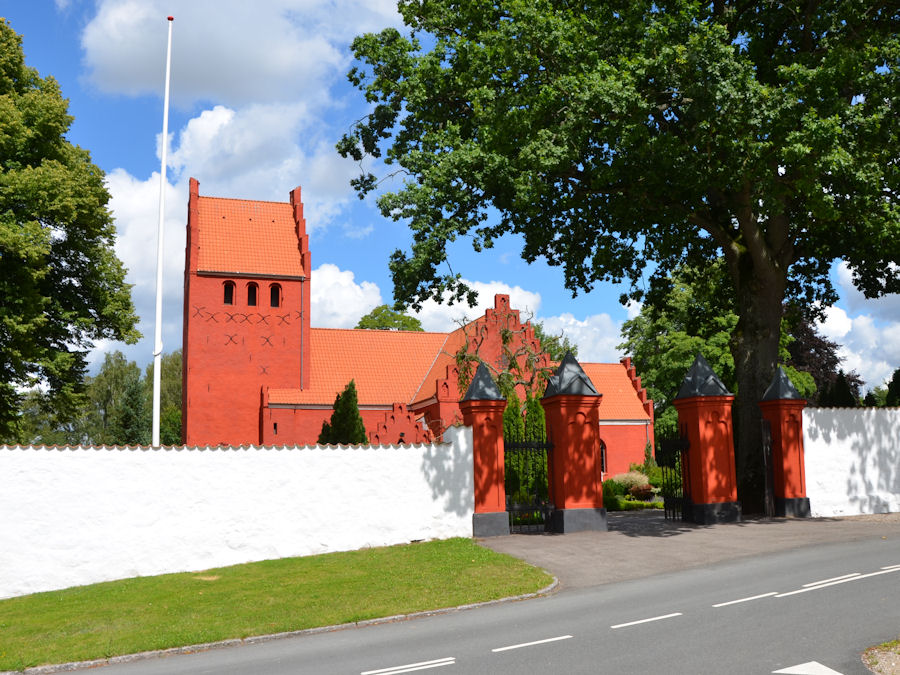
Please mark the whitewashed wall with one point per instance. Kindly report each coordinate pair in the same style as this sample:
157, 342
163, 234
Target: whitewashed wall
77, 516
852, 460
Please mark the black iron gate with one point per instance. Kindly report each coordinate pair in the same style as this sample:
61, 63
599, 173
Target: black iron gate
527, 482
672, 456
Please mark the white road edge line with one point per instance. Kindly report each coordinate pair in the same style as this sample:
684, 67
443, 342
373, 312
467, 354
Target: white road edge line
752, 597
531, 644
655, 618
826, 581
410, 667
842, 581
891, 567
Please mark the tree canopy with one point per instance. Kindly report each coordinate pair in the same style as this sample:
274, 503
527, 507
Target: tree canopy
622, 139
114, 409
556, 346
385, 318
693, 318
62, 285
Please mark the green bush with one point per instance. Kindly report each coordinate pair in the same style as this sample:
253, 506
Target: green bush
619, 503
631, 479
611, 487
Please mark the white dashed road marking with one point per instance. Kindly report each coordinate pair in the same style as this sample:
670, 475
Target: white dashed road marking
531, 644
655, 618
411, 667
752, 597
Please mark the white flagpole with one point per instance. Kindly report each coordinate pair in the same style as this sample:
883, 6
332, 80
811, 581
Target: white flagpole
157, 343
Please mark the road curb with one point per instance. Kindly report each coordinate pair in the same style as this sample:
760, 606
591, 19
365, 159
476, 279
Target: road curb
258, 639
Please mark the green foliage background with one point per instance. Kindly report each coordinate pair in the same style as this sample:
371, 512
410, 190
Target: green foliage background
62, 285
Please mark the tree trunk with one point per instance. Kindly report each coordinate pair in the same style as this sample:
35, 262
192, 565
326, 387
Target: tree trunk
754, 346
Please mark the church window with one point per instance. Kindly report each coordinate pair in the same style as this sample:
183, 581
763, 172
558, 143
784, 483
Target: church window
251, 294
229, 292
603, 468
275, 295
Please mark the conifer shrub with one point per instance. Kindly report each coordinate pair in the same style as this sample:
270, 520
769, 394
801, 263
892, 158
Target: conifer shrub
346, 424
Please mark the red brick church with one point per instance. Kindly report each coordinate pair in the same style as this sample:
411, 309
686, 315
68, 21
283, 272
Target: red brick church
257, 372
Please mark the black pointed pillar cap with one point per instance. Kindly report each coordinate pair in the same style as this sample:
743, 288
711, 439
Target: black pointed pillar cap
701, 381
570, 379
781, 388
483, 387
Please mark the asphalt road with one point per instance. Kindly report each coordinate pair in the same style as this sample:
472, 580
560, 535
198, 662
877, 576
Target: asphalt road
820, 605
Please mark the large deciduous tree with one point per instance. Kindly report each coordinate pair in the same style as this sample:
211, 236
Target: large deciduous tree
61, 283
385, 318
693, 317
622, 137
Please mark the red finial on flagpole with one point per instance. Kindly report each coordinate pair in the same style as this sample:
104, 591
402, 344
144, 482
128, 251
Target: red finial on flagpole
171, 18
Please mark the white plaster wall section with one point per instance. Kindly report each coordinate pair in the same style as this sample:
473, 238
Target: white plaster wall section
852, 459
79, 516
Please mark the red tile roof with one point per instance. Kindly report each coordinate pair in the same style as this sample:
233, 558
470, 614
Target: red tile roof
402, 366
388, 366
238, 236
620, 400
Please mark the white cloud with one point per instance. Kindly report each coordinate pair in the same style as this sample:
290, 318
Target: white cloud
836, 324
633, 308
886, 307
444, 318
867, 345
254, 153
596, 335
135, 207
338, 301
229, 51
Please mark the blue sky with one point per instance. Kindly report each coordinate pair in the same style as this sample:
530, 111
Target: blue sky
259, 99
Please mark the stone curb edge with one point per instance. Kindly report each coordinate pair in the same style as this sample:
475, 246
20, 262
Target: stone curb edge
258, 639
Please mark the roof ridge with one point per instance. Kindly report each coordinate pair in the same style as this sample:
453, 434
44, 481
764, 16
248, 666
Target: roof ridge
251, 201
381, 330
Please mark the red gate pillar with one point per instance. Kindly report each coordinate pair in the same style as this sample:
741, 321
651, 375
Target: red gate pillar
572, 407
783, 407
704, 418
482, 409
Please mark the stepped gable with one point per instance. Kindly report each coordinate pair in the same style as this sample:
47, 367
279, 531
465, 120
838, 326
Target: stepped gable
621, 399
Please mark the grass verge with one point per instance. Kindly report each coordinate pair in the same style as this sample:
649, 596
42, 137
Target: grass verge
172, 610
884, 658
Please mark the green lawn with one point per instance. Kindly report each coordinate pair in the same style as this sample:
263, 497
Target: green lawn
133, 615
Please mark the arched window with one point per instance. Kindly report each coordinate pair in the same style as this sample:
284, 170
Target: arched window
252, 290
603, 468
275, 295
229, 292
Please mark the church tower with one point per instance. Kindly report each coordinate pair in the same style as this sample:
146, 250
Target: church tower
246, 312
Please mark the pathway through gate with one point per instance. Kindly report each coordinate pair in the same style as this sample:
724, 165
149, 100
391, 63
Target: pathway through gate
527, 480
671, 456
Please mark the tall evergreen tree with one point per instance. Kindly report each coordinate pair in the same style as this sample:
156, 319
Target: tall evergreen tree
131, 425
893, 390
513, 423
346, 424
535, 419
